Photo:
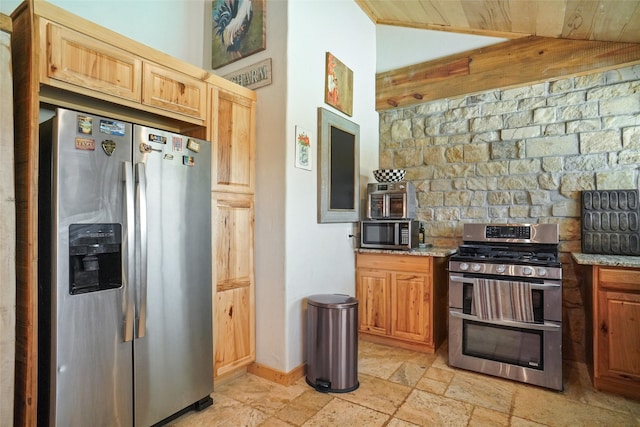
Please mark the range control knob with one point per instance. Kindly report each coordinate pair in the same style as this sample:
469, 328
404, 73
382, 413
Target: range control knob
542, 272
527, 271
500, 268
475, 267
464, 266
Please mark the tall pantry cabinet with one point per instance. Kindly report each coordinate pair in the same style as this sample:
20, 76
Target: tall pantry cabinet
233, 174
70, 62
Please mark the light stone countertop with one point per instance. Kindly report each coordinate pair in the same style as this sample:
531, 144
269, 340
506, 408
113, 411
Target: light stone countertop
433, 251
610, 260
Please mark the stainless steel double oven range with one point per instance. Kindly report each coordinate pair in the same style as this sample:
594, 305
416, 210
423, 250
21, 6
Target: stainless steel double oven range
505, 303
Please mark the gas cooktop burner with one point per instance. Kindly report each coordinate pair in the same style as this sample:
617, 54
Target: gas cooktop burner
539, 254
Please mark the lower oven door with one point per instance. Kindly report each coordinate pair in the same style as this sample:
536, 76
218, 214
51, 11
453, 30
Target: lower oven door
526, 353
529, 352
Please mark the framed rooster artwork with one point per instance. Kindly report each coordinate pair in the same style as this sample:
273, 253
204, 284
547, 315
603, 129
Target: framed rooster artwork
238, 30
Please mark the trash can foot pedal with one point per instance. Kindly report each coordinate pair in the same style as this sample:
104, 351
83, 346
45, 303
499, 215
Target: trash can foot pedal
324, 386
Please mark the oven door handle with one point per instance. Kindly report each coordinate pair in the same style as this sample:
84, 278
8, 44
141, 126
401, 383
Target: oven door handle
546, 326
542, 286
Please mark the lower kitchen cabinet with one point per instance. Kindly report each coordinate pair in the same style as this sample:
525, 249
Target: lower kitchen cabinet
234, 344
234, 287
613, 352
402, 299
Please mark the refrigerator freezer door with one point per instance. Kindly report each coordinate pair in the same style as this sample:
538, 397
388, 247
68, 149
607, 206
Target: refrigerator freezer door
91, 364
173, 352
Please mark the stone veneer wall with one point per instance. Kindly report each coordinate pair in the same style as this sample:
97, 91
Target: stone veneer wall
520, 155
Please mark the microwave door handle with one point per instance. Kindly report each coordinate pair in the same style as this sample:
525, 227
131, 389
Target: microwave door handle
385, 206
141, 302
404, 205
128, 250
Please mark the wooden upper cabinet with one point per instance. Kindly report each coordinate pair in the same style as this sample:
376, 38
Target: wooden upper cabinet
80, 63
90, 64
173, 91
233, 139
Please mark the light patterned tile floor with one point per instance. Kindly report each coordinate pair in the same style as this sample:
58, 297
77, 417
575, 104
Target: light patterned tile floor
401, 388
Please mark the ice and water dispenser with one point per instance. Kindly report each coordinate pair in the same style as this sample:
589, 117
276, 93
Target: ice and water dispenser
95, 257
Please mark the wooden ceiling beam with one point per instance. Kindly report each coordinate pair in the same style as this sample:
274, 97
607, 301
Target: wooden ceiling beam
509, 64
452, 29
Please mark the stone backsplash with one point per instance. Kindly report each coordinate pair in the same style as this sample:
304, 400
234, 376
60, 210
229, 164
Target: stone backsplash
520, 155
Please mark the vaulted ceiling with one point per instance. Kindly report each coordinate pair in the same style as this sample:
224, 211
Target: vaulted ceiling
602, 20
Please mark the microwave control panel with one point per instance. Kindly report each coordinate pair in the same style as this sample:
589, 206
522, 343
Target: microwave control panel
404, 234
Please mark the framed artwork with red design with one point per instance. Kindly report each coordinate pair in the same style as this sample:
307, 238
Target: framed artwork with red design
303, 148
338, 85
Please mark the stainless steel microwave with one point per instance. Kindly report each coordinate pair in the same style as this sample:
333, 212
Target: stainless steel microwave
391, 200
389, 234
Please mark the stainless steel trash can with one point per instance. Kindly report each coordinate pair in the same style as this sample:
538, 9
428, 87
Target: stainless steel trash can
332, 343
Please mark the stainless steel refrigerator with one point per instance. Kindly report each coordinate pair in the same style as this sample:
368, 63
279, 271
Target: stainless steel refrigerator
124, 273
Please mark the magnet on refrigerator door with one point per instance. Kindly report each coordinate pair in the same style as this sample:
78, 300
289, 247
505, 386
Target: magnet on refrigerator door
188, 160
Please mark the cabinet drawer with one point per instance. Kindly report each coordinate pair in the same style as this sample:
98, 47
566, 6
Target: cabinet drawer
418, 264
91, 64
173, 91
626, 279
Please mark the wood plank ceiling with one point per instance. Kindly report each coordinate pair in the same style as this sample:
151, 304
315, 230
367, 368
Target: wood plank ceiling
602, 20
549, 39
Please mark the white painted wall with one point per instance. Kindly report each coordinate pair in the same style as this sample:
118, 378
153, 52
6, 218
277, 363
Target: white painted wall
399, 47
171, 26
320, 257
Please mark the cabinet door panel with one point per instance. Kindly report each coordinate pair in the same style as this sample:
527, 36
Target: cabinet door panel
174, 91
234, 344
234, 142
91, 64
373, 300
233, 218
619, 335
410, 299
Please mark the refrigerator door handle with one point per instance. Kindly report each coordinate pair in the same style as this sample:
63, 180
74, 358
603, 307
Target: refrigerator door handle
141, 267
128, 250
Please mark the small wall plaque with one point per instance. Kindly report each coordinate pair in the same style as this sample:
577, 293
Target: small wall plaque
253, 76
